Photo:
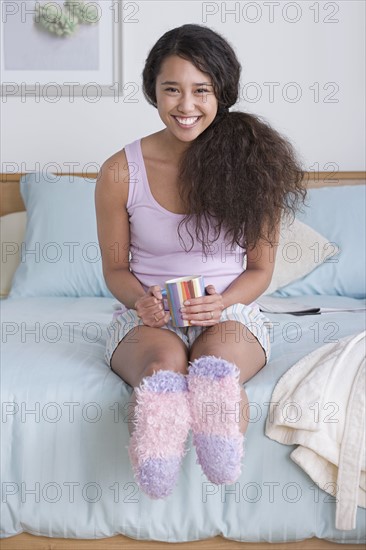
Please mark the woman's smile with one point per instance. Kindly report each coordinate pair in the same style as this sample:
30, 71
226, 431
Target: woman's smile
187, 122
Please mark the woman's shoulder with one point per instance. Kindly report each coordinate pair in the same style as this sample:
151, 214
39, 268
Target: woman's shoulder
115, 165
113, 176
119, 159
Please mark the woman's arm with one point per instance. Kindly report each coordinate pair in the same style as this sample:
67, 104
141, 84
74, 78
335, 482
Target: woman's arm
257, 276
111, 196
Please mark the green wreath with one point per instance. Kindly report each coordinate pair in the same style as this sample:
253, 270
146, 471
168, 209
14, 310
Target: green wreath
66, 21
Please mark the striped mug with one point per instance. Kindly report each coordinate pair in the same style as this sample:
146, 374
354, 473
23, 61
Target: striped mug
178, 291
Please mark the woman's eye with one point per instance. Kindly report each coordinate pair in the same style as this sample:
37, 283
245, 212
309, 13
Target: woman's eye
200, 90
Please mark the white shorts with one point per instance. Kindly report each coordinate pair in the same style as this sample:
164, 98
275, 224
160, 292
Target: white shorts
127, 323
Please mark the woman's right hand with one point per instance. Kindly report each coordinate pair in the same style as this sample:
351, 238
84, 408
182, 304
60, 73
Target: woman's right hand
150, 308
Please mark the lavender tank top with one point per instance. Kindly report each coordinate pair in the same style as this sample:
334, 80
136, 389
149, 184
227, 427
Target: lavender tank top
156, 251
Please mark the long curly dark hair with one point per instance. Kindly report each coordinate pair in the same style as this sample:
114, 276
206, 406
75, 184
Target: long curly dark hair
239, 172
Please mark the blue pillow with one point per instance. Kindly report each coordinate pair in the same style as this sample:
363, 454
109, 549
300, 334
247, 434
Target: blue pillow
338, 213
61, 255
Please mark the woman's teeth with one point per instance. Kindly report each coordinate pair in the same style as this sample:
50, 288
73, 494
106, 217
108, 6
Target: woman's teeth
187, 121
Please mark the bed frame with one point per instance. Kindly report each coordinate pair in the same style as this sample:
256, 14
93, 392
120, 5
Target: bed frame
11, 201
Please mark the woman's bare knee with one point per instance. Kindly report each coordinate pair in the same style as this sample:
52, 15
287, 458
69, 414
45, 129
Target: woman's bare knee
168, 354
157, 349
166, 361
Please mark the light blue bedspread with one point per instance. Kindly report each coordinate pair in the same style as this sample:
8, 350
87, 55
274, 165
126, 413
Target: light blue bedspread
65, 468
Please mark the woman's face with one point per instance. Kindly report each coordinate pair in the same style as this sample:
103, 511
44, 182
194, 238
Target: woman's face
185, 98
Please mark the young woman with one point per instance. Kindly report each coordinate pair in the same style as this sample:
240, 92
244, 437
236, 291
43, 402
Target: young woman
198, 197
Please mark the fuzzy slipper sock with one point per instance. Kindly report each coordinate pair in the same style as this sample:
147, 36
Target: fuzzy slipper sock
214, 399
162, 422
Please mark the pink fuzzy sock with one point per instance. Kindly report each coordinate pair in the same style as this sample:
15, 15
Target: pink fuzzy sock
162, 422
214, 398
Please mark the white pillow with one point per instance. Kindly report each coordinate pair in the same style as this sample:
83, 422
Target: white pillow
301, 249
12, 233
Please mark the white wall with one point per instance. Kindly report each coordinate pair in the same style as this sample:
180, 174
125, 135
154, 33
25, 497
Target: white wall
324, 60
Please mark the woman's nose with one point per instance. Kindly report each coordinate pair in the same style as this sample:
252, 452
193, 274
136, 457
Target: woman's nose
186, 104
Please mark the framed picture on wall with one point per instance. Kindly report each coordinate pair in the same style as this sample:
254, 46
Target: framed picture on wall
61, 48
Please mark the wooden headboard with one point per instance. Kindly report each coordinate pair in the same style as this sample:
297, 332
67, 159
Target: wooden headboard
11, 200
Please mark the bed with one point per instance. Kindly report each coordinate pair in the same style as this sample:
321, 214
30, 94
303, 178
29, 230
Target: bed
66, 477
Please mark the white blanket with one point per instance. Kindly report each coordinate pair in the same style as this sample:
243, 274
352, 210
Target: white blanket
319, 404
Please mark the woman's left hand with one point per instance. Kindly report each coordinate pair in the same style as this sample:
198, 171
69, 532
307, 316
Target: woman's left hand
205, 310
